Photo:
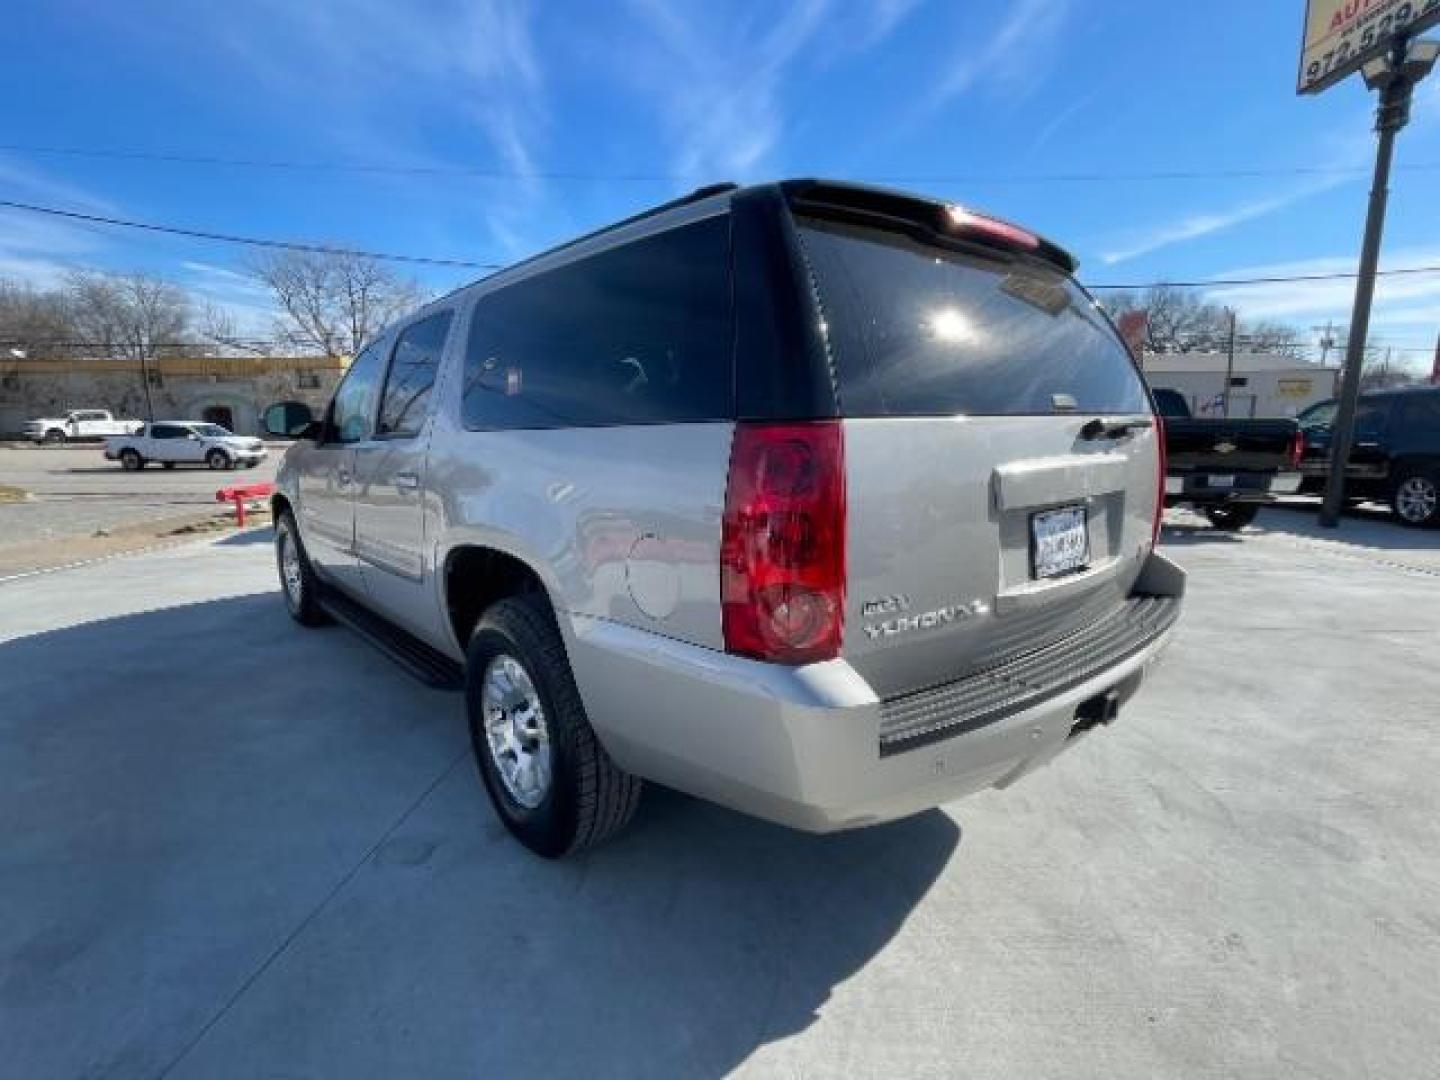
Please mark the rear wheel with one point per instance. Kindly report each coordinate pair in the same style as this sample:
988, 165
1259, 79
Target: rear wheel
297, 577
1415, 498
54, 438
217, 459
131, 460
550, 780
1232, 517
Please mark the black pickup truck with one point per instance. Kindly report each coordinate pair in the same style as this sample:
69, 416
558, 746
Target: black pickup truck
1227, 469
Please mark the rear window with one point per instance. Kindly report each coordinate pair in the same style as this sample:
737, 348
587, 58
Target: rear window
923, 331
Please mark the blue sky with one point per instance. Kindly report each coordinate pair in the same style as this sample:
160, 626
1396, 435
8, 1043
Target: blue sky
587, 111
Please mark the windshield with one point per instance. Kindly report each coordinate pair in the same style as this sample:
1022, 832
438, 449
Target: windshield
924, 331
211, 431
1318, 416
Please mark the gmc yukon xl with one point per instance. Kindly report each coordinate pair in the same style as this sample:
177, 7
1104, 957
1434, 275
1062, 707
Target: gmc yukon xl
828, 503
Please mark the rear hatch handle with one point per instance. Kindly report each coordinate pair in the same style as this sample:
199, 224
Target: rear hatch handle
1118, 429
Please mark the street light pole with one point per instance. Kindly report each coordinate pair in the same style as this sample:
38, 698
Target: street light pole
1229, 361
1395, 79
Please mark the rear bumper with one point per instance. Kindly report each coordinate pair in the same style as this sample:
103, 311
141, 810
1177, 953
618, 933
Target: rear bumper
807, 747
1197, 487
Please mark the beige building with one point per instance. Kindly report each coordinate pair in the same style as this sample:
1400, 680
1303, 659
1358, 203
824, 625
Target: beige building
1261, 384
232, 392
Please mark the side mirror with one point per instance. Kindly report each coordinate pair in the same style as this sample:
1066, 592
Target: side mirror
193, 437
291, 420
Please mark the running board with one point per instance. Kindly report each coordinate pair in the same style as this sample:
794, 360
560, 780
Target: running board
426, 664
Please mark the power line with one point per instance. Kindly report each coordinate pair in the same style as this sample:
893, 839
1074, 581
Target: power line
490, 173
322, 249
1339, 275
252, 241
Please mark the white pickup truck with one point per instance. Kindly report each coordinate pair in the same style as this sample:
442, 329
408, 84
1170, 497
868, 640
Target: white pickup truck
78, 425
184, 442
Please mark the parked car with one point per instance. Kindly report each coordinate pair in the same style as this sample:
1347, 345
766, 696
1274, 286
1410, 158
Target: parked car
661, 518
1226, 468
184, 442
1395, 456
78, 425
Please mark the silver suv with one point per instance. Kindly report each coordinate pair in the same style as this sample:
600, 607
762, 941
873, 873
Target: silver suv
827, 503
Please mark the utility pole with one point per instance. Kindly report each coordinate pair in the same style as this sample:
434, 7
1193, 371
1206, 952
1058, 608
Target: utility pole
145, 383
1395, 77
1229, 361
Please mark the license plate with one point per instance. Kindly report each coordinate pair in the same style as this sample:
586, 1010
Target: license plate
1222, 481
1059, 541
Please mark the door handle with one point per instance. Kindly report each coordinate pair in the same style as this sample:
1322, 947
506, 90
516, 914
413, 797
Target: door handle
407, 481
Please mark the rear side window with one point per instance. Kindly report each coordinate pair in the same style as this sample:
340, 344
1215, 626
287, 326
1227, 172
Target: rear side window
1422, 413
639, 334
406, 400
924, 331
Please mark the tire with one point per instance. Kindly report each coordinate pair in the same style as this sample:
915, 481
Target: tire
1232, 517
1415, 496
168, 464
54, 438
587, 798
298, 584
131, 461
218, 459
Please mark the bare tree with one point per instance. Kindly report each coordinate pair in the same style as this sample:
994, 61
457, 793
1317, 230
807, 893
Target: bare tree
132, 316
334, 303
33, 322
217, 328
1180, 320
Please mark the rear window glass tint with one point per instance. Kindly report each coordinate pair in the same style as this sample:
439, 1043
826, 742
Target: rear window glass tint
637, 334
923, 331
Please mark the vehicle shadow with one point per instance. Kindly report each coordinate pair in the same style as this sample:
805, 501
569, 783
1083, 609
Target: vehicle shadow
246, 537
1186, 533
278, 839
1370, 524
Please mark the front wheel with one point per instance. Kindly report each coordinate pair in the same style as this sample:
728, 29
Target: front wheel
1232, 517
552, 783
55, 438
217, 459
297, 577
1415, 498
131, 461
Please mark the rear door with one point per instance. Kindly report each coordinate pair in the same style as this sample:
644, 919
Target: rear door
170, 442
390, 478
1000, 452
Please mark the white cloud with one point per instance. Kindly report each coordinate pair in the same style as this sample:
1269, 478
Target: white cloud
1406, 309
1195, 225
1013, 61
717, 82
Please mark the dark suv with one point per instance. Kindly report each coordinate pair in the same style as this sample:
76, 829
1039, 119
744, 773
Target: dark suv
1396, 454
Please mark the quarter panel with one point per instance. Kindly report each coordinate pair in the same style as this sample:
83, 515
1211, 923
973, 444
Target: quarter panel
604, 515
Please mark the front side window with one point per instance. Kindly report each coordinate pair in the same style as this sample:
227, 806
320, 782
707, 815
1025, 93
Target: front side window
353, 409
920, 330
638, 334
406, 400
168, 431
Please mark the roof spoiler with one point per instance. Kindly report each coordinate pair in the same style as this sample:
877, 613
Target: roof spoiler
929, 220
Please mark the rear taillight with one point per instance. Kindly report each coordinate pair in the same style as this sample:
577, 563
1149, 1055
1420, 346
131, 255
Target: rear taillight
963, 221
782, 555
1297, 449
1164, 464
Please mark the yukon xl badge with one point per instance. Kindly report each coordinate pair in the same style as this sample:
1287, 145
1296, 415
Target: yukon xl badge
901, 621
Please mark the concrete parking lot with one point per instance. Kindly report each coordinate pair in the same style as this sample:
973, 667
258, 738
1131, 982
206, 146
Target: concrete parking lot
237, 848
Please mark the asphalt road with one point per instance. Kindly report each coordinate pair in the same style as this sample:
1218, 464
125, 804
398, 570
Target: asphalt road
76, 491
234, 847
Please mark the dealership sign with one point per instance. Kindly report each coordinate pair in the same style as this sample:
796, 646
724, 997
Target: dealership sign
1341, 35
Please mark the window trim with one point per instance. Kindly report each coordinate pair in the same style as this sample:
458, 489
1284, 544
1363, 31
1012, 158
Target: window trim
376, 435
